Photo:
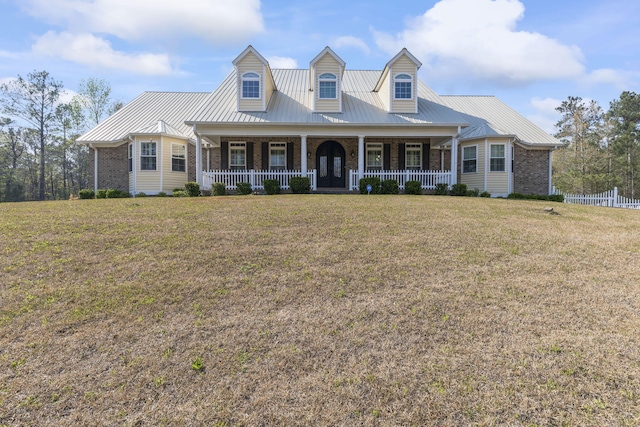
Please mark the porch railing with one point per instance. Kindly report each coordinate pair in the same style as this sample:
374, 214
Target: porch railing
428, 179
231, 178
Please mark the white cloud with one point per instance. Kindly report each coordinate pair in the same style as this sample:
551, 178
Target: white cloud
545, 114
66, 96
217, 21
282, 62
350, 41
619, 79
95, 52
478, 39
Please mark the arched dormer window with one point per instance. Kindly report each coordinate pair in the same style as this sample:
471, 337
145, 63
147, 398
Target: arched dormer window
327, 86
251, 85
403, 87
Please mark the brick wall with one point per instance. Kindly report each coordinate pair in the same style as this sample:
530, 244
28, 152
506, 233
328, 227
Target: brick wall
113, 167
191, 162
531, 171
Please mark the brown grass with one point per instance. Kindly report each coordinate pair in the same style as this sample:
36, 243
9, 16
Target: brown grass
318, 310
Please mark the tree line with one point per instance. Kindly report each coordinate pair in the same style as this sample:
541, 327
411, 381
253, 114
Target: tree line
39, 159
602, 148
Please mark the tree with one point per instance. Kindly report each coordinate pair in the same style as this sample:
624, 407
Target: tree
11, 150
624, 114
94, 95
33, 100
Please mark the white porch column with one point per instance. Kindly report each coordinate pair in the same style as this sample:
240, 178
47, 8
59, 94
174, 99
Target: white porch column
199, 160
454, 160
360, 157
303, 154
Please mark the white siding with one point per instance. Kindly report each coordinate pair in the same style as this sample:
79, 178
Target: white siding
148, 181
251, 63
170, 179
473, 180
328, 64
404, 65
498, 182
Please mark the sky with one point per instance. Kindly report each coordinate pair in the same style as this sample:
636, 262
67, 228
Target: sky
532, 54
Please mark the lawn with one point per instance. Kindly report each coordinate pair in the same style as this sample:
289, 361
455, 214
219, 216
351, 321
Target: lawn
318, 310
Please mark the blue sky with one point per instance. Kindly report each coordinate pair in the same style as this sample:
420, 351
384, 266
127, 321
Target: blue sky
532, 54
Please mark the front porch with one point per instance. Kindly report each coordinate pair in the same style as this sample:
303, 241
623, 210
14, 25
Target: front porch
230, 178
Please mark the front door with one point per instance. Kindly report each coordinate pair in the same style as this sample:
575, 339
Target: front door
330, 165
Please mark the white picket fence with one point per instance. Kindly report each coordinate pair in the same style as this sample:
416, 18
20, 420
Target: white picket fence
428, 179
609, 198
231, 178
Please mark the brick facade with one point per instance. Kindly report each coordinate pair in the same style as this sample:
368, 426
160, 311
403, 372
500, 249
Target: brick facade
531, 171
191, 162
113, 167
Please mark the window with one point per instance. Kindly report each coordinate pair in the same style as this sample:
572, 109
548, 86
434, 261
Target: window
130, 151
277, 156
148, 156
251, 85
178, 158
237, 155
470, 159
374, 156
497, 162
403, 83
327, 86
413, 156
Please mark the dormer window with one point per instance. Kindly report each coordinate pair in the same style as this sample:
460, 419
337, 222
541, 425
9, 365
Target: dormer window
403, 86
327, 86
251, 85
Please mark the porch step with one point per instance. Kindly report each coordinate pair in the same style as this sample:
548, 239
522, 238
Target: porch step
333, 190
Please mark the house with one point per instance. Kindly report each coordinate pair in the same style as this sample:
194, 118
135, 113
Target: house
329, 123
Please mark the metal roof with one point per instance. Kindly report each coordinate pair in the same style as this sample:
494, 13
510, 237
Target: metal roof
144, 114
488, 116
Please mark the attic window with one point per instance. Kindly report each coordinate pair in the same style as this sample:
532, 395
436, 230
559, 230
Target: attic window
251, 85
327, 86
403, 83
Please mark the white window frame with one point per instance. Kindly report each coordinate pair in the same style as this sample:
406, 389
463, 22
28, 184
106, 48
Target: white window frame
372, 147
503, 157
470, 159
413, 148
251, 76
130, 156
144, 155
402, 78
182, 157
328, 78
281, 146
240, 146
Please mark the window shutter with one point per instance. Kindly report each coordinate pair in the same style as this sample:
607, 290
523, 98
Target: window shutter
289, 155
426, 151
386, 161
249, 155
401, 152
265, 156
224, 155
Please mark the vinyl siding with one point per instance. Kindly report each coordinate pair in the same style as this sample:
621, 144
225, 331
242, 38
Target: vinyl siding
170, 179
327, 64
385, 93
148, 181
403, 65
251, 63
497, 182
474, 180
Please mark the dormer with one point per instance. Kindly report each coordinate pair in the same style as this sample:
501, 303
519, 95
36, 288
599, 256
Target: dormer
254, 81
325, 81
398, 83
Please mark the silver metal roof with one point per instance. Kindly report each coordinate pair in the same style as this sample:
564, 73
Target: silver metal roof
151, 112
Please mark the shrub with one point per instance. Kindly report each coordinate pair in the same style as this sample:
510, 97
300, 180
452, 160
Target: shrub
442, 189
549, 198
101, 194
86, 194
141, 194
459, 190
300, 185
413, 187
271, 186
244, 188
473, 193
374, 181
219, 189
113, 193
556, 198
389, 186
517, 196
180, 193
485, 194
192, 189
162, 194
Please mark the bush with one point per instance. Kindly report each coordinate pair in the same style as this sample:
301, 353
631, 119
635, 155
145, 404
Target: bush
162, 194
389, 186
271, 186
101, 194
113, 193
219, 189
473, 193
485, 194
300, 185
86, 194
556, 198
413, 187
459, 190
192, 189
141, 194
374, 181
549, 198
180, 193
244, 188
516, 196
442, 189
